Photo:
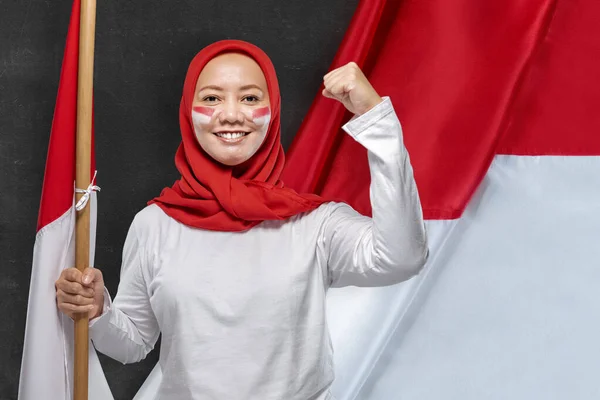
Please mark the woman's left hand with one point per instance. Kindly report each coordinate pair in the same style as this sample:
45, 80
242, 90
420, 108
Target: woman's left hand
350, 86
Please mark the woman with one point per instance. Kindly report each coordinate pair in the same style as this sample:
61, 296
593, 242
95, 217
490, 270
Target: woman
233, 268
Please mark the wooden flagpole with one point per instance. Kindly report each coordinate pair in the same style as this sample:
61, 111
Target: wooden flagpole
85, 83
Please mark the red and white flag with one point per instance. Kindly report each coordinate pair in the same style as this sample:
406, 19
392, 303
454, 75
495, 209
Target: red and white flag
499, 108
47, 364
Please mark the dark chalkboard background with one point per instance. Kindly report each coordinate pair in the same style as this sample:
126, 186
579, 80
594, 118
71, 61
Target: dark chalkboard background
142, 52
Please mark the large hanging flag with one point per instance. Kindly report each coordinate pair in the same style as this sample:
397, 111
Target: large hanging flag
47, 365
498, 103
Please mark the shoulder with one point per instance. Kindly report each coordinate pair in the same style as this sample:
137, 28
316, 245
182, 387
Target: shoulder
149, 214
151, 229
337, 217
150, 219
334, 208
327, 212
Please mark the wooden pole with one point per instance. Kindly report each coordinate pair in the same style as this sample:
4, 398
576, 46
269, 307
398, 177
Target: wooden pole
82, 180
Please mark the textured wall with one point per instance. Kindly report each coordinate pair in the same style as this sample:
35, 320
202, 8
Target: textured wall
142, 52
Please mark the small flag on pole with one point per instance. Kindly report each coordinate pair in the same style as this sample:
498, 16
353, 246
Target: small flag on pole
47, 364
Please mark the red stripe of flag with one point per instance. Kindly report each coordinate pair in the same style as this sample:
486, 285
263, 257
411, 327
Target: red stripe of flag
59, 176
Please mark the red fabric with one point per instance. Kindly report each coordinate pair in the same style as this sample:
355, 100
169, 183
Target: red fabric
59, 176
556, 112
468, 79
309, 156
213, 196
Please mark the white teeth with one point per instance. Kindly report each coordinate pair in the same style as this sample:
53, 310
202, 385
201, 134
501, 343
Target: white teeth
232, 135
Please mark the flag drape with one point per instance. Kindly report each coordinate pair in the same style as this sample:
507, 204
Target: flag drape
498, 106
460, 74
47, 364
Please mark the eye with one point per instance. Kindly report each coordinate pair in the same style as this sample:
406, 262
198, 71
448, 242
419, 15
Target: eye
251, 98
210, 99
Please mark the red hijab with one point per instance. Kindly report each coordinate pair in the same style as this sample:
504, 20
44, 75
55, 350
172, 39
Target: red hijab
210, 195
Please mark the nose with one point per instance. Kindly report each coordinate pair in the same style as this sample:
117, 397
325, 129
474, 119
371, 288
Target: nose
231, 113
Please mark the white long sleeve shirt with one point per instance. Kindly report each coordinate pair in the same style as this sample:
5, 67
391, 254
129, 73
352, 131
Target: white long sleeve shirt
242, 314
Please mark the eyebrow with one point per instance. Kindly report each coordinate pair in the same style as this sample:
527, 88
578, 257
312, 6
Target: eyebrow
212, 87
251, 86
218, 88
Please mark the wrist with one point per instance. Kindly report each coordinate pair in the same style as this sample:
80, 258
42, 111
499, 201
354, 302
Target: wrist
97, 314
99, 308
370, 105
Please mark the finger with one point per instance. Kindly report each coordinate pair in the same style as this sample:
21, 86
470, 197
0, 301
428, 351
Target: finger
334, 73
91, 276
339, 74
334, 77
332, 85
87, 277
352, 66
348, 66
350, 69
72, 274
76, 299
327, 75
341, 87
74, 288
348, 75
328, 94
72, 308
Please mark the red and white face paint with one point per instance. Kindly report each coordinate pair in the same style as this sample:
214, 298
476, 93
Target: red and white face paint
212, 119
261, 118
201, 116
231, 134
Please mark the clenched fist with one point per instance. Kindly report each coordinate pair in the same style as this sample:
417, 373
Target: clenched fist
350, 87
78, 293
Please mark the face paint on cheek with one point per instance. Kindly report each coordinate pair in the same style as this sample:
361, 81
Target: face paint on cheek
202, 115
261, 118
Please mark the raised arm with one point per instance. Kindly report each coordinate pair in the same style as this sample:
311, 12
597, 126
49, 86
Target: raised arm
391, 246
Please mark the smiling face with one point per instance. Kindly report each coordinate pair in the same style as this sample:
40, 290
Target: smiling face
231, 108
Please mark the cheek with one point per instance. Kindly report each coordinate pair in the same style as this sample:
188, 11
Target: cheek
202, 117
261, 118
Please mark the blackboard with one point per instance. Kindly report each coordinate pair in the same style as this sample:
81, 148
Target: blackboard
142, 52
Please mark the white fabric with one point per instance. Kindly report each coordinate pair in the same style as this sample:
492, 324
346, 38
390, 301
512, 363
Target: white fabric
47, 364
242, 315
511, 311
362, 320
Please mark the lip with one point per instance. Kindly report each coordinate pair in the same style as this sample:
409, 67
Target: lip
231, 141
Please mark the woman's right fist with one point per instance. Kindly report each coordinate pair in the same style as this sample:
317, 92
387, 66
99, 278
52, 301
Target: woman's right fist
78, 293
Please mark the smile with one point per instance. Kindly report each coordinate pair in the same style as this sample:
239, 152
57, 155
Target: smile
231, 137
